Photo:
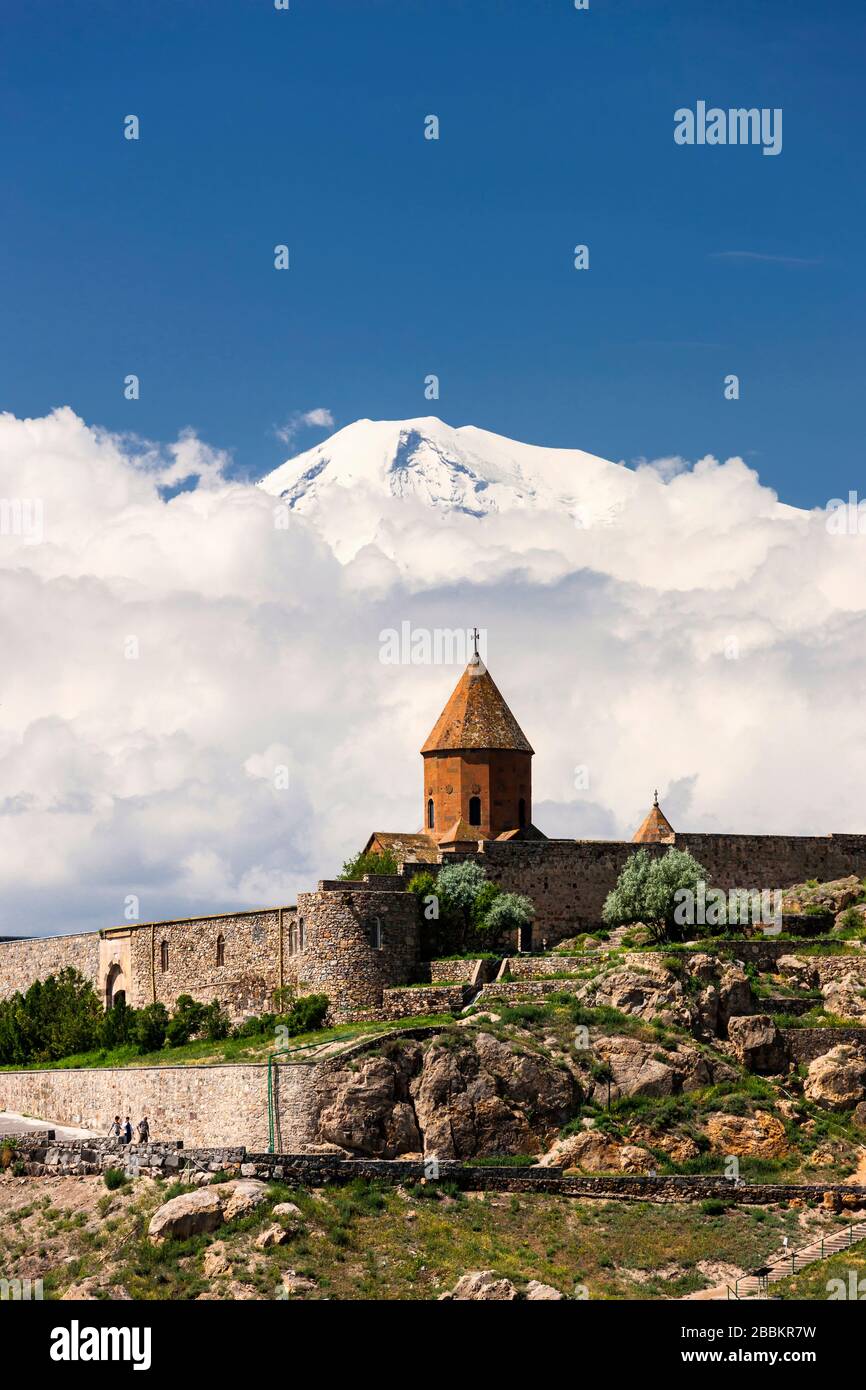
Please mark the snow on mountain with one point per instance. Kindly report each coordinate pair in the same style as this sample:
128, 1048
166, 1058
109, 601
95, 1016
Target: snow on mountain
468, 471
428, 504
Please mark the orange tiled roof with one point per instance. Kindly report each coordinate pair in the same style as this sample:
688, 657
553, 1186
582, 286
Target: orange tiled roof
655, 828
476, 716
460, 833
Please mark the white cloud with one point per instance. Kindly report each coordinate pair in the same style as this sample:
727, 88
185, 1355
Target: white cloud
257, 648
317, 418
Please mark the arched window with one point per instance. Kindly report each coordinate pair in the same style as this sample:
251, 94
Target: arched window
163, 955
221, 949
300, 933
431, 815
521, 812
475, 810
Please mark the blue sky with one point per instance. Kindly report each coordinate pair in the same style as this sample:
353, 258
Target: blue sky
453, 257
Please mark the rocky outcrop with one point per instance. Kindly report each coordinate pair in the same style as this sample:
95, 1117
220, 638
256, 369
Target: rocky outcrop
834, 896
757, 1136
642, 1069
837, 1080
594, 1152
242, 1197
758, 1043
454, 1097
480, 1286
649, 991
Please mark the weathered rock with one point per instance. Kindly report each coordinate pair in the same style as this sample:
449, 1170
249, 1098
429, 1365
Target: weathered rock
649, 991
859, 1116
481, 1285
537, 1293
760, 1135
642, 1069
837, 1080
595, 1152
215, 1263
95, 1288
834, 896
243, 1197
190, 1214
678, 1147
296, 1283
844, 1002
758, 1043
735, 995
270, 1236
476, 1096
288, 1209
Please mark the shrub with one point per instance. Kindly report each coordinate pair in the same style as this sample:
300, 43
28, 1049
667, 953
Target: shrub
114, 1178
151, 1027
369, 863
713, 1206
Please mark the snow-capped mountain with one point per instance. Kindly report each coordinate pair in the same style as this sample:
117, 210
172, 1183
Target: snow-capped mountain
467, 471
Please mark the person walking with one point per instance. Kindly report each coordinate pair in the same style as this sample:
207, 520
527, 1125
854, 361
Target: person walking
143, 1130
115, 1131
127, 1131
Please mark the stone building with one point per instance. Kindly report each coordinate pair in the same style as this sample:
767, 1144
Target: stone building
356, 941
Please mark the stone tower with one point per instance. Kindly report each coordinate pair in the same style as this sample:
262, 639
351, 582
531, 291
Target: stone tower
477, 766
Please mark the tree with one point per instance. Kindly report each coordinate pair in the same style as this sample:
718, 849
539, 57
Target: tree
646, 892
369, 863
507, 914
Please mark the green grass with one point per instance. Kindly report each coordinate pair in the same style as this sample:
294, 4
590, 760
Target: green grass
251, 1049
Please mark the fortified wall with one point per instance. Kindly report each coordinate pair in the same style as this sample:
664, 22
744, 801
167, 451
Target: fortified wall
356, 940
350, 941
568, 880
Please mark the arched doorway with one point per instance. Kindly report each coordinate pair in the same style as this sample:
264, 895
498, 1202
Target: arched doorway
524, 937
115, 987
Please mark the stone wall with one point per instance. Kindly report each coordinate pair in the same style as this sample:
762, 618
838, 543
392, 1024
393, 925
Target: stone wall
197, 1104
569, 879
42, 1155
805, 1044
536, 967
424, 999
23, 962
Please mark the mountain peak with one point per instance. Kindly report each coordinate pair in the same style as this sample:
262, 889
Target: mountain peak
464, 470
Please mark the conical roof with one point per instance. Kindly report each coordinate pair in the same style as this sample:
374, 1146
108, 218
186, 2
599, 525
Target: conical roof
655, 828
476, 716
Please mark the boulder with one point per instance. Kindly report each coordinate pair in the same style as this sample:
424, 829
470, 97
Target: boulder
191, 1214
735, 995
758, 1043
643, 1069
243, 1197
538, 1293
270, 1236
759, 1136
837, 1080
859, 1116
481, 1285
288, 1209
844, 1002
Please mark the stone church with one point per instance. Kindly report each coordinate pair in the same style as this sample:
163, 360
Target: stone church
359, 942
